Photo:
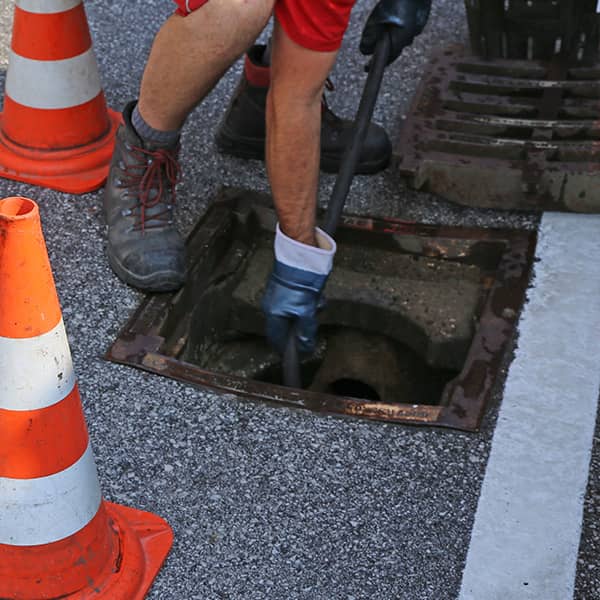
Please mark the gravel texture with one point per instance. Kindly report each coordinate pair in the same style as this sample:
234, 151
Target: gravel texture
264, 502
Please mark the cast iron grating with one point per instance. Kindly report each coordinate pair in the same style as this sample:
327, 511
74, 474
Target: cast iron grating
169, 333
533, 29
505, 133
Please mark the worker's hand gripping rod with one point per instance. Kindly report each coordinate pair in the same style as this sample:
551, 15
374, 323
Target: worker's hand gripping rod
291, 361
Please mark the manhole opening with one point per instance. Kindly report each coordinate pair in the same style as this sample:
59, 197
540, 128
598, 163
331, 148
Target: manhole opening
352, 388
414, 330
348, 363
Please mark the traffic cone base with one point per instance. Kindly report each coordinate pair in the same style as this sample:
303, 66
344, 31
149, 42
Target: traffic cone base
75, 171
145, 540
130, 558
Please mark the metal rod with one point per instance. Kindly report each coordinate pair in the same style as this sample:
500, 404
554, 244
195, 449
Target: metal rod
361, 125
291, 360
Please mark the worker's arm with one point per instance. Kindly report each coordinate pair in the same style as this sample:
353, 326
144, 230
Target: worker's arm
303, 254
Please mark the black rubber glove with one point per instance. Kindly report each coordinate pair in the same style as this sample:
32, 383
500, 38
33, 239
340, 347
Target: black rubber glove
404, 19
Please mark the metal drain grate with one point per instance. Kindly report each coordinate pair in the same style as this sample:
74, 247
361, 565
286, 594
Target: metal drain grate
505, 133
533, 29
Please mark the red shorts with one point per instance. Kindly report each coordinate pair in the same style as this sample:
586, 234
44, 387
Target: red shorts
314, 24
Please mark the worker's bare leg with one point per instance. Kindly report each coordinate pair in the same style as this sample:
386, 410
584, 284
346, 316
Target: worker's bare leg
188, 57
191, 53
293, 132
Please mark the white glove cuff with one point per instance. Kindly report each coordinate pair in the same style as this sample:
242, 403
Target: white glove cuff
302, 256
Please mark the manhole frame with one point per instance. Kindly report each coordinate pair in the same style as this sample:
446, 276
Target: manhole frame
464, 399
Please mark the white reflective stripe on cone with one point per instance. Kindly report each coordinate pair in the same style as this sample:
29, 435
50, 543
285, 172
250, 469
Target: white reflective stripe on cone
35, 372
48, 509
53, 84
47, 7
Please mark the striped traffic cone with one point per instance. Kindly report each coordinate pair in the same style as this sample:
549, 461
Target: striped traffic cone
58, 538
56, 130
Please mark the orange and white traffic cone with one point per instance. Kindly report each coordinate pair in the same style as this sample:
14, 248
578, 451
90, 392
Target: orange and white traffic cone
58, 537
56, 130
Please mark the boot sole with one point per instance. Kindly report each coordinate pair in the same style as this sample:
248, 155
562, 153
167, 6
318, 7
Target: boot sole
162, 281
253, 148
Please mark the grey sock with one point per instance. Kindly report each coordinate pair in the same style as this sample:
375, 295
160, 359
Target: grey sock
151, 135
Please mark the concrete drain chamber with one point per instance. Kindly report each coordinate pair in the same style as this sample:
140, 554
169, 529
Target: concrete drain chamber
415, 327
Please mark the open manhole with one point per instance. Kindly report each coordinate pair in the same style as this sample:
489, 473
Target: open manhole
414, 330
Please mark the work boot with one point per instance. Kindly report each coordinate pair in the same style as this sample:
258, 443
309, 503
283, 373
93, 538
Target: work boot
242, 132
144, 247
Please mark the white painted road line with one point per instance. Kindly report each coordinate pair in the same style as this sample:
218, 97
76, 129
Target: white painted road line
527, 527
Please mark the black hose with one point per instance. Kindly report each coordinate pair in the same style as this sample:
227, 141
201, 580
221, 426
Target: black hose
291, 360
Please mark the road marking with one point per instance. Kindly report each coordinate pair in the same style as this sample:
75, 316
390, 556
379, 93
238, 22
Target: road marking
525, 539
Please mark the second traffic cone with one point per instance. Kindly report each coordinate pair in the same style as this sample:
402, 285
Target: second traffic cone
58, 537
56, 130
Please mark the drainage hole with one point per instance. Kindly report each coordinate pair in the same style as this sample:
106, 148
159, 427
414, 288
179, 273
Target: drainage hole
353, 388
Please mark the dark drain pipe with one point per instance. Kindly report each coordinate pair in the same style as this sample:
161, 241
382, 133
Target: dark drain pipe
291, 361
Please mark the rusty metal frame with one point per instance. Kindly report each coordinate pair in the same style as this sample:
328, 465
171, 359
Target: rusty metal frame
464, 400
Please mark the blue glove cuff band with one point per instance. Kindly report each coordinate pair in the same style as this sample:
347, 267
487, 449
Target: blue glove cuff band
298, 279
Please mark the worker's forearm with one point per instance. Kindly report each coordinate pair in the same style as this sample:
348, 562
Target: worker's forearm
294, 132
293, 144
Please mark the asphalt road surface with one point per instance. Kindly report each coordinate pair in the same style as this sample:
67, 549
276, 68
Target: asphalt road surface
270, 503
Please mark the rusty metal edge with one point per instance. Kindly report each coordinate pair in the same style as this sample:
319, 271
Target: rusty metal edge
462, 411
491, 338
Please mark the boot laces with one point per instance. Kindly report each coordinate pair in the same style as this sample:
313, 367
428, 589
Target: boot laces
153, 176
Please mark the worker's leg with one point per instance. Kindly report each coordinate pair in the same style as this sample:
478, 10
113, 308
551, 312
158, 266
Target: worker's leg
189, 55
242, 130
